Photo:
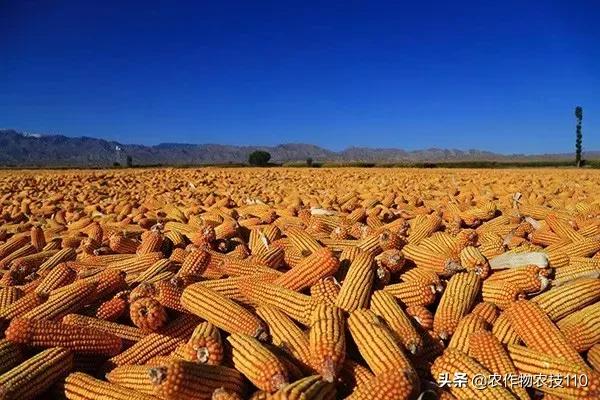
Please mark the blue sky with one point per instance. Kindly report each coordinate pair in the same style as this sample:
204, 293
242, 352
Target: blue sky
492, 75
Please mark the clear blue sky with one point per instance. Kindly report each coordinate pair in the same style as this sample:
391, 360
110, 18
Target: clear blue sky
493, 75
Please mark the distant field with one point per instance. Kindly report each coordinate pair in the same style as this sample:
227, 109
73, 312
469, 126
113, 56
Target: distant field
184, 282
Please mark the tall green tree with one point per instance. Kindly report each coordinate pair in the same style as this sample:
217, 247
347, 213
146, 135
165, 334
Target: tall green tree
579, 137
259, 158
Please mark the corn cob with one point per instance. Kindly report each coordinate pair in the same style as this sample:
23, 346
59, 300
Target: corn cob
593, 357
184, 380
377, 345
454, 361
10, 355
125, 332
325, 291
232, 267
356, 288
63, 255
424, 229
562, 228
440, 263
487, 350
147, 314
195, 264
155, 269
530, 361
538, 332
221, 311
327, 342
308, 388
302, 241
204, 350
317, 265
456, 302
488, 311
62, 301
137, 264
424, 276
9, 295
231, 288
412, 293
385, 306
504, 330
112, 309
13, 244
140, 378
80, 386
60, 276
296, 305
582, 328
24, 251
50, 334
258, 364
389, 385
501, 293
35, 375
150, 346
286, 334
421, 315
468, 325
272, 258
564, 300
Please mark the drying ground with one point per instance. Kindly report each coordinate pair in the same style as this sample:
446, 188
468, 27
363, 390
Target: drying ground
299, 283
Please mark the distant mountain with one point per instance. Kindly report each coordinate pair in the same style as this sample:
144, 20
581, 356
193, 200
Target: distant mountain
21, 150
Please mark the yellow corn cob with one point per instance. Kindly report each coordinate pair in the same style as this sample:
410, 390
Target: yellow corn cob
137, 264
377, 345
353, 374
220, 311
530, 361
473, 260
412, 293
150, 346
60, 276
440, 263
81, 340
468, 325
286, 334
34, 376
325, 291
302, 241
538, 332
389, 385
593, 357
504, 330
576, 270
582, 328
22, 306
486, 349
195, 264
231, 288
356, 288
183, 380
222, 394
9, 295
140, 378
257, 363
62, 301
147, 314
421, 315
158, 267
454, 361
232, 267
296, 305
80, 386
327, 340
319, 264
309, 388
385, 306
486, 310
562, 228
151, 242
457, 300
13, 244
501, 293
24, 251
204, 350
10, 355
530, 278
583, 248
63, 255
272, 258
424, 229
424, 276
125, 332
564, 300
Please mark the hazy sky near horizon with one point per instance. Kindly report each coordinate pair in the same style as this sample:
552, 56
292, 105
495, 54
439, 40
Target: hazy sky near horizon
503, 76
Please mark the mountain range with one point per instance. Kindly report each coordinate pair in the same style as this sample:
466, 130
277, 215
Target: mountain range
19, 149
